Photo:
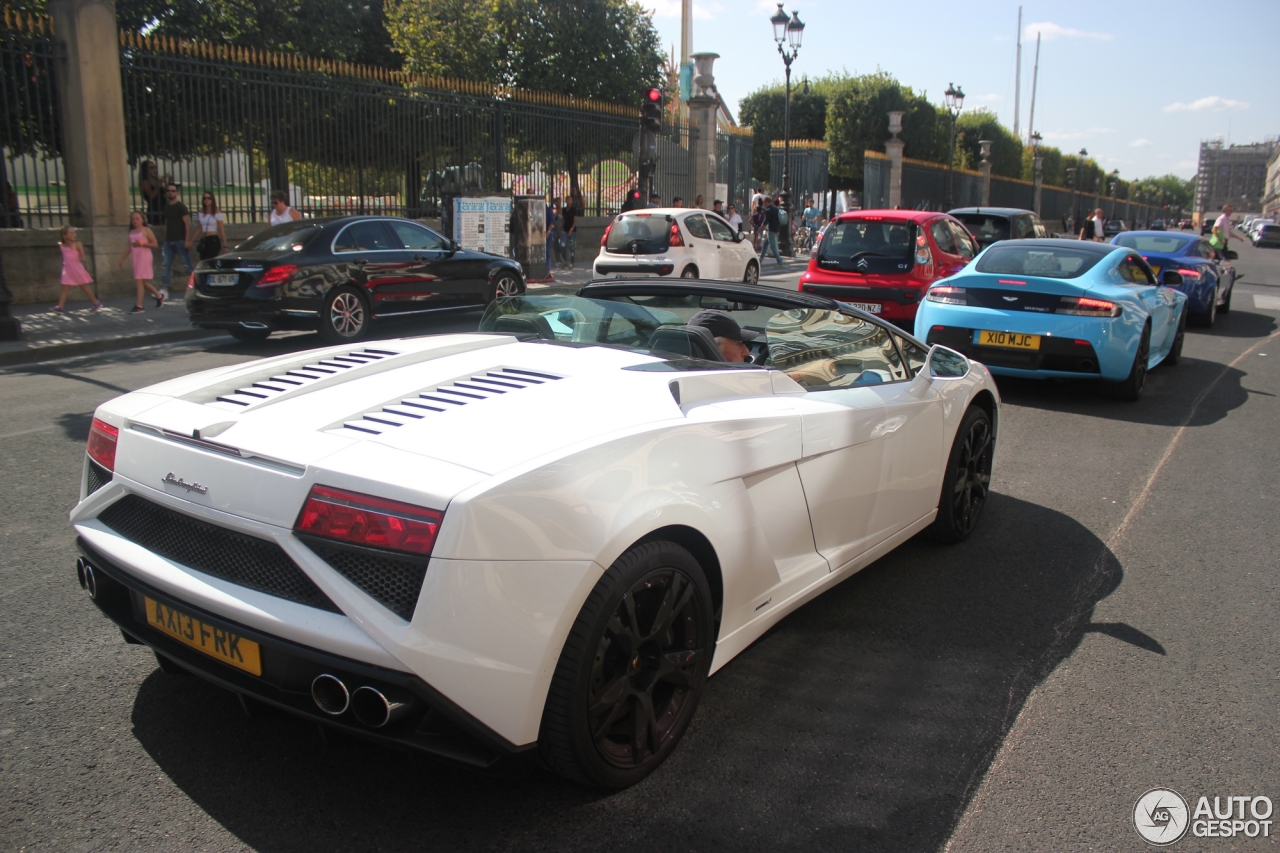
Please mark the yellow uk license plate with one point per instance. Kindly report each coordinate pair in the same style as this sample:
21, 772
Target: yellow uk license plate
216, 643
1008, 340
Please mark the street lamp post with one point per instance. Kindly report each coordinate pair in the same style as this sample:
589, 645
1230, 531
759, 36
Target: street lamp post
955, 103
791, 31
1038, 174
1072, 172
1115, 181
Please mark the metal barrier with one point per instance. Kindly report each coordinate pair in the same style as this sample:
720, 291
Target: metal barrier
33, 193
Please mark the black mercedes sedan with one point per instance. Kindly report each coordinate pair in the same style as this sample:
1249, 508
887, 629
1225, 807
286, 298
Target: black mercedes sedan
337, 275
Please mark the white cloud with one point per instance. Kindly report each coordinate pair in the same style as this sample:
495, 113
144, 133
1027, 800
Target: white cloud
662, 8
1186, 164
1068, 135
1049, 31
1213, 103
1141, 143
988, 98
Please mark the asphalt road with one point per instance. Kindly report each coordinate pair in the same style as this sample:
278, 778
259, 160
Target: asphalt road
1109, 629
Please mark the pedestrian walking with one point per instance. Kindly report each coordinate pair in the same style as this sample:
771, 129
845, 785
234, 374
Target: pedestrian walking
1094, 227
213, 236
1222, 230
677, 201
12, 215
769, 235
178, 237
655, 200
552, 210
699, 203
73, 272
557, 234
757, 223
141, 241
152, 192
717, 206
571, 212
735, 220
281, 212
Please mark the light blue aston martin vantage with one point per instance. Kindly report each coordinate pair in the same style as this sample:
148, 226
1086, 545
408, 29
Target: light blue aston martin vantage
1066, 309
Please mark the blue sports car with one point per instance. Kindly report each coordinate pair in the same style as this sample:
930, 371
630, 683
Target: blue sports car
1060, 309
1208, 278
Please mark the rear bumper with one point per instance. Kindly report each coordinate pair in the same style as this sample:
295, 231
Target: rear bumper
607, 266
206, 313
435, 725
1056, 357
896, 303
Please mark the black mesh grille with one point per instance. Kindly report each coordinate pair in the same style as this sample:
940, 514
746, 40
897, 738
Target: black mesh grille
97, 476
227, 554
391, 579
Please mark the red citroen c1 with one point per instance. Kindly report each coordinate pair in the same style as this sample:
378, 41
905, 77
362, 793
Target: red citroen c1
883, 261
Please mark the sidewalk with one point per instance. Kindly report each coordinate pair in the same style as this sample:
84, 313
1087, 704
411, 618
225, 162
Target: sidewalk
80, 331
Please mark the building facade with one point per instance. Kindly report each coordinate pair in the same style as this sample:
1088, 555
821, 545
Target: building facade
1234, 174
1271, 197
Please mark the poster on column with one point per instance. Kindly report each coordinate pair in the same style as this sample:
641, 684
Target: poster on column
468, 223
497, 226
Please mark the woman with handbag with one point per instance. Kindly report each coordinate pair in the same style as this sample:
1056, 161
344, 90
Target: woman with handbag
213, 237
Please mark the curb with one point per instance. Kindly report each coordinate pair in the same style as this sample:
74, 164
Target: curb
36, 354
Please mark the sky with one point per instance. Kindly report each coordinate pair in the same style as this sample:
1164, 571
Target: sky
1139, 84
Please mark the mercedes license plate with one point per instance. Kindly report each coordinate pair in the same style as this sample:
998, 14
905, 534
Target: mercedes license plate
223, 280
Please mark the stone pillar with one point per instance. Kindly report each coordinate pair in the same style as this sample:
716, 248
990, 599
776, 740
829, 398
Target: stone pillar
702, 116
985, 166
893, 147
93, 146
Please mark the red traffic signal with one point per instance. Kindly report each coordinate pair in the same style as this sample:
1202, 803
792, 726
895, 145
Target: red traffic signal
654, 95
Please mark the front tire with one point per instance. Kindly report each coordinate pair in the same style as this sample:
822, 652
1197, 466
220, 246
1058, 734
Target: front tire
967, 480
689, 272
504, 284
344, 316
632, 669
1175, 351
1130, 388
752, 275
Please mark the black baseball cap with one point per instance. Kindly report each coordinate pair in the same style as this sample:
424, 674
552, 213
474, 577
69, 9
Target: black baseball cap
721, 325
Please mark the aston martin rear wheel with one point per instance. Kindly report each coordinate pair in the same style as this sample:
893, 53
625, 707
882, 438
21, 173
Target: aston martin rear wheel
1225, 307
632, 669
1207, 319
967, 480
1130, 388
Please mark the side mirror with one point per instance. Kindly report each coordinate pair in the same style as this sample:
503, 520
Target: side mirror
946, 363
453, 246
1171, 277
1232, 254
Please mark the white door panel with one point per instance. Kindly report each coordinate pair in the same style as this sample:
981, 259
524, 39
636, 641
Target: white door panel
911, 472
780, 507
698, 237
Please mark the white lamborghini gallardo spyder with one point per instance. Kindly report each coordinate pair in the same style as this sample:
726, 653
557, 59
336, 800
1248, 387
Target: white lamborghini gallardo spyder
535, 541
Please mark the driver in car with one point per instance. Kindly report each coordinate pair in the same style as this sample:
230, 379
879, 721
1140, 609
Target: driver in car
730, 337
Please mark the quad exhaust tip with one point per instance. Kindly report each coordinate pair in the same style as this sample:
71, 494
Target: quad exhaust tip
374, 709
84, 574
330, 694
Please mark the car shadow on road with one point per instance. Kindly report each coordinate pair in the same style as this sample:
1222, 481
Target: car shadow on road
1238, 324
866, 719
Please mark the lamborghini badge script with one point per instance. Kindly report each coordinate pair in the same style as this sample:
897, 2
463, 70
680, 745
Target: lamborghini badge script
170, 480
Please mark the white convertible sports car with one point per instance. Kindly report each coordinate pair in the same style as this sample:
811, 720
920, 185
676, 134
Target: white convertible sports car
538, 540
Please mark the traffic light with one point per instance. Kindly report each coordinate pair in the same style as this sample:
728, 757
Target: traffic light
651, 111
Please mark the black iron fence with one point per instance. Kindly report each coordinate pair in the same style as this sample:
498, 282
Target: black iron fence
925, 187
334, 137
33, 193
809, 173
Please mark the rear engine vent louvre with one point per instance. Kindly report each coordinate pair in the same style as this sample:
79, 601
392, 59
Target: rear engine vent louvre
443, 398
298, 377
394, 580
96, 476
233, 556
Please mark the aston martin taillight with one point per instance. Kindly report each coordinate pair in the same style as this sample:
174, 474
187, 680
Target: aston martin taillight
277, 276
676, 239
102, 443
1086, 306
947, 295
369, 521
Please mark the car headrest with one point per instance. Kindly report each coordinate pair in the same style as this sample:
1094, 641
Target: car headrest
524, 325
689, 341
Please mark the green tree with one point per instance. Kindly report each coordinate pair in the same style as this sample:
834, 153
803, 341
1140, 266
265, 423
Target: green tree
764, 111
1006, 151
858, 120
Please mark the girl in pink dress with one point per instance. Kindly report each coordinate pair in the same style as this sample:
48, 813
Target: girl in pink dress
73, 272
141, 241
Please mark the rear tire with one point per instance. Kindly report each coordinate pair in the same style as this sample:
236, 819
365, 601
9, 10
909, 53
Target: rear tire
1130, 388
689, 272
632, 669
1225, 307
1206, 319
967, 480
753, 272
249, 336
504, 284
344, 316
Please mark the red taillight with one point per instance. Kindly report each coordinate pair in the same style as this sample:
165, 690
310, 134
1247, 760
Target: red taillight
607, 229
676, 239
191, 282
368, 521
102, 443
1086, 306
1012, 281
277, 275
1189, 273
923, 256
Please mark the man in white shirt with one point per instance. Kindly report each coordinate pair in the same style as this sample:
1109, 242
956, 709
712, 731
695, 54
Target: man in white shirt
735, 221
1222, 226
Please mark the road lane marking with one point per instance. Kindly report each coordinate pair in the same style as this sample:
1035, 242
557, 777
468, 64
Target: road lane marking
1270, 303
26, 431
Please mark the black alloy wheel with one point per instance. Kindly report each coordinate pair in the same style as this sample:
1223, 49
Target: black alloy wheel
689, 272
753, 272
344, 316
504, 284
249, 336
1179, 335
967, 481
632, 669
1131, 387
1206, 320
